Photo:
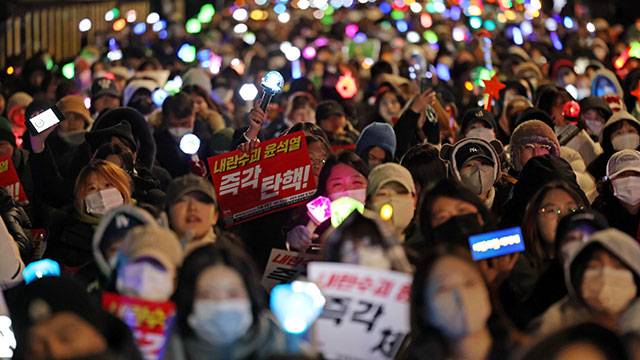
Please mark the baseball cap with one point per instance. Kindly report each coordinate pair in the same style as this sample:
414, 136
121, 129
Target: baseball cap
155, 242
328, 108
104, 86
472, 150
622, 161
389, 172
475, 115
189, 183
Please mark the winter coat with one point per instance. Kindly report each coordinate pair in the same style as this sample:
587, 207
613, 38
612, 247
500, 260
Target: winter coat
169, 155
617, 216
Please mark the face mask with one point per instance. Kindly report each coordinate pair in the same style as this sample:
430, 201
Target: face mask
72, 138
357, 194
403, 211
594, 127
145, 281
370, 256
179, 132
460, 312
457, 229
627, 190
608, 289
479, 179
481, 133
221, 322
626, 141
102, 201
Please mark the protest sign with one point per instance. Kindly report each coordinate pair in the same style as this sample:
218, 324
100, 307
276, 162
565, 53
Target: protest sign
285, 266
10, 181
274, 176
149, 321
367, 311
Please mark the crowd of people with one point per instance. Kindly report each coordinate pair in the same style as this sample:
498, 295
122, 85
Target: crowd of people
123, 209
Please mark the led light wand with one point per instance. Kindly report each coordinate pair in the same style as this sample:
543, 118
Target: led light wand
272, 83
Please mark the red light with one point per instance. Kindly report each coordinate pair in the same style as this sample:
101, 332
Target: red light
346, 86
571, 109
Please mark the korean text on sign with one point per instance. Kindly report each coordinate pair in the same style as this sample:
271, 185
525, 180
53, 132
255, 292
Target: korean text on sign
149, 321
285, 266
274, 176
10, 181
367, 311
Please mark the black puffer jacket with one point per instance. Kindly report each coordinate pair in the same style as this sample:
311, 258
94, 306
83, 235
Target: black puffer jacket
18, 224
617, 216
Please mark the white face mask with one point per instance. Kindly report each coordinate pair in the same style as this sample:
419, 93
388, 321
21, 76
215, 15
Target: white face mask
179, 132
357, 194
221, 322
102, 201
479, 179
627, 190
145, 281
481, 133
370, 256
403, 211
608, 289
626, 141
460, 312
594, 127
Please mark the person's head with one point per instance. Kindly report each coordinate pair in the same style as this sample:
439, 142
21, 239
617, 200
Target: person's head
192, 206
388, 103
301, 108
7, 138
574, 229
118, 134
100, 187
594, 111
360, 240
391, 184
137, 94
587, 341
77, 117
543, 212
532, 138
623, 172
603, 274
201, 100
620, 132
117, 155
56, 319
449, 213
424, 164
344, 175
148, 261
319, 152
478, 123
309, 129
474, 162
17, 103
514, 108
330, 116
449, 298
178, 114
121, 75
552, 101
376, 144
104, 95
217, 282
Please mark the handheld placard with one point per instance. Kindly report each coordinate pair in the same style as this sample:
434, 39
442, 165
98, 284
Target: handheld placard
496, 243
319, 210
272, 83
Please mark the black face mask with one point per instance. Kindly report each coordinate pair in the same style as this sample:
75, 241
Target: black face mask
457, 229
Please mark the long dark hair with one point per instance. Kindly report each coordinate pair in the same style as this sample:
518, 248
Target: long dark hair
223, 252
348, 158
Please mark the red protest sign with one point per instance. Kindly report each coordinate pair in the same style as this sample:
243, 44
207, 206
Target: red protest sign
149, 321
10, 181
274, 176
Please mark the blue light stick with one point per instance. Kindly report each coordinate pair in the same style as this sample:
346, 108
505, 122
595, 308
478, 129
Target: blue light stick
39, 269
272, 83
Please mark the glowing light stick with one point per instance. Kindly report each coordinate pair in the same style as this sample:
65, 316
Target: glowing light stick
272, 83
40, 269
190, 144
342, 208
492, 87
297, 305
319, 210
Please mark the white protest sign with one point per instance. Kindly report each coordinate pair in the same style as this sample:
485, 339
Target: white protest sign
367, 311
285, 266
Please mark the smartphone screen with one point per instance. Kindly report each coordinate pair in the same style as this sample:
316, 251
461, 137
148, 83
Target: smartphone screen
425, 83
496, 243
44, 120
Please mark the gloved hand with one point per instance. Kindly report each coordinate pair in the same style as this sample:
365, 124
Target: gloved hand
300, 238
198, 168
18, 224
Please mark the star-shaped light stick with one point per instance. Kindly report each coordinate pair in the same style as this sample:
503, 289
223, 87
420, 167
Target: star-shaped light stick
492, 87
636, 92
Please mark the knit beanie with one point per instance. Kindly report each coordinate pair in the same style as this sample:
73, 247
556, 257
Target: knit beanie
19, 98
377, 134
531, 131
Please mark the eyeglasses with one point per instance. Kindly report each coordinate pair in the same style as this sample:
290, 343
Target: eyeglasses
537, 147
548, 212
317, 161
